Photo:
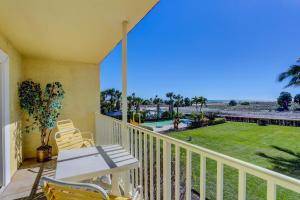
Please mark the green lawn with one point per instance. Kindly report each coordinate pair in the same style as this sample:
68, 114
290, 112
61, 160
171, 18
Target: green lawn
251, 143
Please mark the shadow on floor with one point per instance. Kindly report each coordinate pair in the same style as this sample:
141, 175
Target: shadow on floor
288, 166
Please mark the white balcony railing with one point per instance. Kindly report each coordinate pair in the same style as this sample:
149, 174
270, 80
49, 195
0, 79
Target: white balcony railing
162, 164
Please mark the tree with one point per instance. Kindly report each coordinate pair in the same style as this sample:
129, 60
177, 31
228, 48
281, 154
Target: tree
137, 103
293, 74
232, 103
202, 102
297, 99
195, 101
199, 101
284, 100
43, 107
157, 101
187, 101
178, 102
130, 102
118, 98
170, 102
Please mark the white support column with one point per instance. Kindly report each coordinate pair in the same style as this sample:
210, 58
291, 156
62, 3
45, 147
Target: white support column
124, 85
125, 133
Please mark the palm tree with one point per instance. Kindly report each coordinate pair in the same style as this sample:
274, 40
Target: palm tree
138, 102
111, 93
130, 101
178, 101
118, 96
157, 101
170, 102
202, 102
293, 73
195, 100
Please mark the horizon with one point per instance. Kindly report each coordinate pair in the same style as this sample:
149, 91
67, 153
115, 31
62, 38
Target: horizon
197, 49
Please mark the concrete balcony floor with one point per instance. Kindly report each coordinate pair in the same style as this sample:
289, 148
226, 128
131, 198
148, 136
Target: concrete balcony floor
25, 182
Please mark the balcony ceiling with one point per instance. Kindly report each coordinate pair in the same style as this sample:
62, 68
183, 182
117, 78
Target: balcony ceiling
71, 30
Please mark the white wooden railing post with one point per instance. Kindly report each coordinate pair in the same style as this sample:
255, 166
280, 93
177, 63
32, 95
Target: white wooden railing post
242, 185
177, 172
271, 190
220, 174
188, 177
202, 177
166, 170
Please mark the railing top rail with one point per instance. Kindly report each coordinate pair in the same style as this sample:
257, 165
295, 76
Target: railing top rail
255, 170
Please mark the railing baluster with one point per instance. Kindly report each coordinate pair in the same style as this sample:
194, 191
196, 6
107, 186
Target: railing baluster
136, 156
166, 170
188, 177
271, 190
145, 167
202, 177
141, 157
177, 172
242, 185
151, 167
220, 174
157, 168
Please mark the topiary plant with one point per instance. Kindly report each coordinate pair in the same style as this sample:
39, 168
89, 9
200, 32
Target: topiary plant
41, 107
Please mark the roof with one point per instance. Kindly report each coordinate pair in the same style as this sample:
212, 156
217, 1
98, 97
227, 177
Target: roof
71, 30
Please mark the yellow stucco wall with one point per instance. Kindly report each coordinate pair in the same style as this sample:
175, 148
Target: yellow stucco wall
81, 84
15, 76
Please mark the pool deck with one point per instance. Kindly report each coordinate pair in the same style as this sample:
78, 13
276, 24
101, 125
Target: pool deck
168, 127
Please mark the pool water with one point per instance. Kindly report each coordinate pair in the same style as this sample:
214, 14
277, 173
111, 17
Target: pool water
158, 124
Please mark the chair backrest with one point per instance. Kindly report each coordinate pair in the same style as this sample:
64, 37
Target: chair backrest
61, 190
65, 124
69, 139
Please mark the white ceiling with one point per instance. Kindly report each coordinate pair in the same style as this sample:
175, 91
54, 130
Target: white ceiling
71, 30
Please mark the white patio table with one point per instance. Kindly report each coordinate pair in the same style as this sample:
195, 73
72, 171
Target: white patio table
86, 163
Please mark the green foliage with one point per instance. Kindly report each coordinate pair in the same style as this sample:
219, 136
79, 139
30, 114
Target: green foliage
232, 103
293, 73
199, 101
284, 100
42, 107
297, 99
187, 101
245, 103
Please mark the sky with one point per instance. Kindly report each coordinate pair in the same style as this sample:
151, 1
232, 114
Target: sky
220, 49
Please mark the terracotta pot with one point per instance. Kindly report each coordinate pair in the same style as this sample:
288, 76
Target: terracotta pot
42, 154
49, 152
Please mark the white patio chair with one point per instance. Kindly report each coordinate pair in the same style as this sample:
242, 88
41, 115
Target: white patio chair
62, 190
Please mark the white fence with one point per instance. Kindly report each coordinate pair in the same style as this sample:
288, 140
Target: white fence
161, 158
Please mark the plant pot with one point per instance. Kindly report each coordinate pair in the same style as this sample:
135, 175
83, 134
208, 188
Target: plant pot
49, 151
42, 154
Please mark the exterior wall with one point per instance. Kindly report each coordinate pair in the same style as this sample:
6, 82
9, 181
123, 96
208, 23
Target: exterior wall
81, 84
15, 76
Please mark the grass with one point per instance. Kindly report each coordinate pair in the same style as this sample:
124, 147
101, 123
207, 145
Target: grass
272, 147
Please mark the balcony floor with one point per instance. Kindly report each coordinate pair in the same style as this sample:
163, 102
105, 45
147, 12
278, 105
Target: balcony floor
24, 183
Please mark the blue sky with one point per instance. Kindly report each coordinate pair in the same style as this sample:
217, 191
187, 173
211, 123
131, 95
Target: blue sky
220, 49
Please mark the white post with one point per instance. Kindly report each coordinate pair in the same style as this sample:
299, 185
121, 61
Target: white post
124, 84
125, 134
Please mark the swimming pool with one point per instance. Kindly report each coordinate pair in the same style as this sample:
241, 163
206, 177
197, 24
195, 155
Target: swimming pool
158, 124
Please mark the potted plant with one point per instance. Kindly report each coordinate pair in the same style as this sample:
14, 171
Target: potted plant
42, 109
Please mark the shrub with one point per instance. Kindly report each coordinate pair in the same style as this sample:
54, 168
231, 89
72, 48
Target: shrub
218, 121
232, 103
245, 103
166, 115
211, 115
262, 122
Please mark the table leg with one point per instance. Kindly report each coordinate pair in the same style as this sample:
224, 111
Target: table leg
115, 190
